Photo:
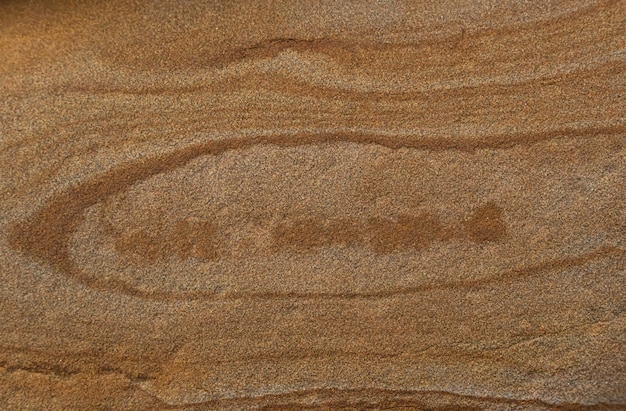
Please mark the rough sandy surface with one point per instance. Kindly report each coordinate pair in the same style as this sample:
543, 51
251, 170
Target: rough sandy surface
319, 205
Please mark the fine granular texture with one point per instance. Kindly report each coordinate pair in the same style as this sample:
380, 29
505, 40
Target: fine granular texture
359, 205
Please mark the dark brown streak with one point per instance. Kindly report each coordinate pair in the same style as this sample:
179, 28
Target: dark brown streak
272, 47
388, 398
46, 235
287, 85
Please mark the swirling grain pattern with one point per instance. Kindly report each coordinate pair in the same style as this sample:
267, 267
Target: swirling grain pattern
313, 205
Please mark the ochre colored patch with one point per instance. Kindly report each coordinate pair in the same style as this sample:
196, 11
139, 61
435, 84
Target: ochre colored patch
187, 239
407, 232
195, 238
309, 233
382, 235
142, 245
486, 223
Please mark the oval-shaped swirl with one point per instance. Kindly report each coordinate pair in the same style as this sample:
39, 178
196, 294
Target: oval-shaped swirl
246, 224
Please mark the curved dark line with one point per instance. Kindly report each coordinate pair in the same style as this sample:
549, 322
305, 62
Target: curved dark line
287, 84
390, 397
273, 46
46, 235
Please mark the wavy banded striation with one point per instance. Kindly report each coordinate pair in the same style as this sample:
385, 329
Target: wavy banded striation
314, 205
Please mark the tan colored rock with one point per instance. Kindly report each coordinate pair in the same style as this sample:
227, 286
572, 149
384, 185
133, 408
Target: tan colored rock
326, 205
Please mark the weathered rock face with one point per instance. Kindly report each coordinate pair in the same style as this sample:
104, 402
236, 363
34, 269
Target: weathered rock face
346, 205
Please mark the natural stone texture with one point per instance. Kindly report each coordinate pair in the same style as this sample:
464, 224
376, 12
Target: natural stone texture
318, 205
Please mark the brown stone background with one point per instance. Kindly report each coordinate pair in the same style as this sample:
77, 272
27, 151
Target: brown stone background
312, 205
